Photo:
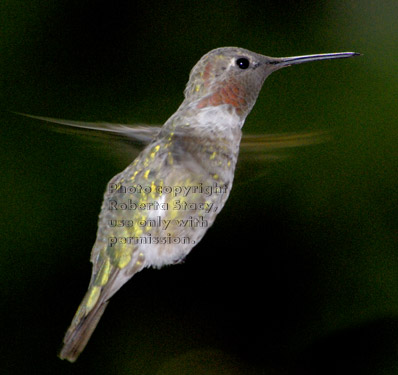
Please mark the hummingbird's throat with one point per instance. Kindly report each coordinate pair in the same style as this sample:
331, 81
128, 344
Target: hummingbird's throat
230, 94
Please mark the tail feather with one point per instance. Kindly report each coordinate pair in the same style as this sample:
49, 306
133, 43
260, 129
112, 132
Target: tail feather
81, 329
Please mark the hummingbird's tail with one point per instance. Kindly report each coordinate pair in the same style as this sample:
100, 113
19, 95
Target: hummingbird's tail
82, 327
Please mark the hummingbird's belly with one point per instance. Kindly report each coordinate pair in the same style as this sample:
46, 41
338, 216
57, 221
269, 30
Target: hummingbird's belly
159, 216
180, 227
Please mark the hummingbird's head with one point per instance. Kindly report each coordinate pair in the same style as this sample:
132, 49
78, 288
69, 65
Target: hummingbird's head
230, 76
234, 76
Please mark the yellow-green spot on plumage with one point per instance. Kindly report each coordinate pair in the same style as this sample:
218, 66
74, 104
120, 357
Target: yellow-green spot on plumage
143, 198
153, 190
197, 88
170, 159
213, 155
133, 176
124, 259
146, 174
103, 274
140, 259
215, 176
154, 151
79, 314
120, 254
92, 298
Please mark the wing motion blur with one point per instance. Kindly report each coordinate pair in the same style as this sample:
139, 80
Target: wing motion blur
260, 146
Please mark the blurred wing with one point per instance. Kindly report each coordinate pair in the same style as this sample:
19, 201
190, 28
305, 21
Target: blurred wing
124, 139
271, 146
258, 151
134, 133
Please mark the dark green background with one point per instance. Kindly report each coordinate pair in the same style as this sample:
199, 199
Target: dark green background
299, 273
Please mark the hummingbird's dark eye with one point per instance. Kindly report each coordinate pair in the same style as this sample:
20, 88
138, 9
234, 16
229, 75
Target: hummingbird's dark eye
243, 63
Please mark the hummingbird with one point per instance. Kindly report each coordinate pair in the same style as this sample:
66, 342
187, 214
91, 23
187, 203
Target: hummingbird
158, 208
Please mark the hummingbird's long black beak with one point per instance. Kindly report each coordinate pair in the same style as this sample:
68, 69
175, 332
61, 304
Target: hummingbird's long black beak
287, 61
